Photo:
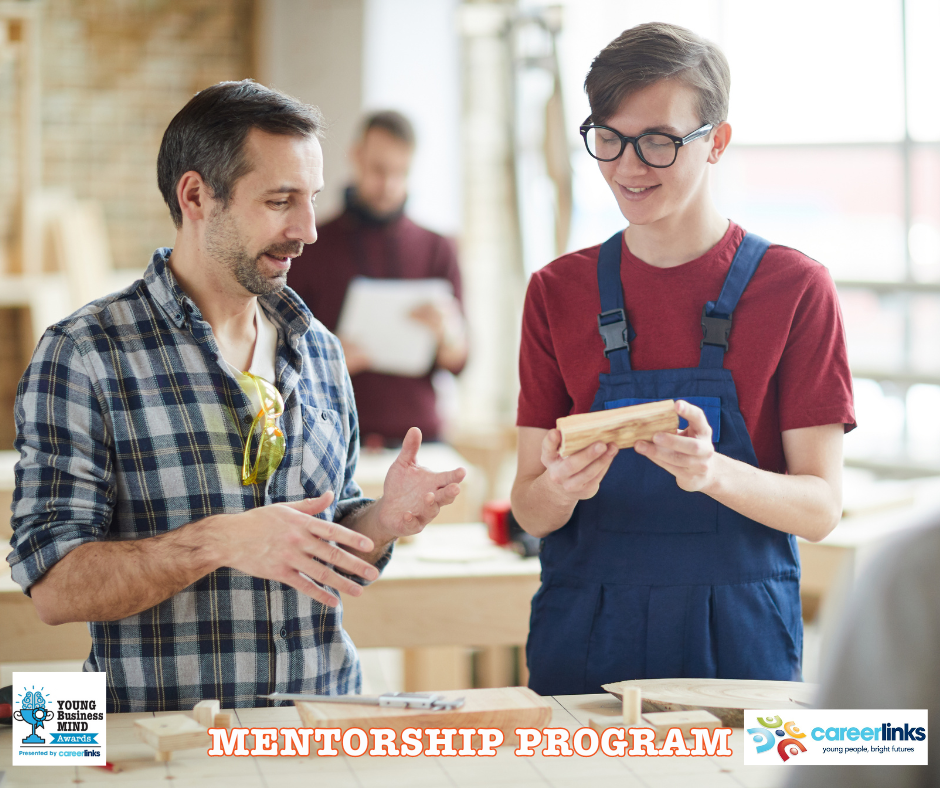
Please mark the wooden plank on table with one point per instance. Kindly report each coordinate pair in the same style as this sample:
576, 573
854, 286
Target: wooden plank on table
621, 426
446, 611
506, 708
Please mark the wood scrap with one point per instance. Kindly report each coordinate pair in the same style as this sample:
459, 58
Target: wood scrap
725, 698
620, 426
224, 719
505, 708
172, 732
663, 721
204, 712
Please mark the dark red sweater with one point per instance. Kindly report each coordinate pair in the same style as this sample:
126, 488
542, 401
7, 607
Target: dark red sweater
354, 245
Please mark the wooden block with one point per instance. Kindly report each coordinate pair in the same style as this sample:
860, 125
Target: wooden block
632, 706
204, 712
224, 719
505, 708
607, 722
621, 426
663, 721
170, 733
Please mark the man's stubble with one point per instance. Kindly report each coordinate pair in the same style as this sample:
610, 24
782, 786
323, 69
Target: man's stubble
224, 243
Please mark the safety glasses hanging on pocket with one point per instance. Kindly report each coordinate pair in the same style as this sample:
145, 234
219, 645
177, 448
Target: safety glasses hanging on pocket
269, 450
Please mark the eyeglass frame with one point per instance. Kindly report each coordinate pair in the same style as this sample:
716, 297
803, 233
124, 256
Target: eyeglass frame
635, 141
251, 476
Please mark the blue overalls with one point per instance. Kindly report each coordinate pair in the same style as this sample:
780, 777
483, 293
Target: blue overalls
647, 580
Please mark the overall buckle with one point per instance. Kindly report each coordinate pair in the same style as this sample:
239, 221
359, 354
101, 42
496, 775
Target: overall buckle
715, 329
613, 332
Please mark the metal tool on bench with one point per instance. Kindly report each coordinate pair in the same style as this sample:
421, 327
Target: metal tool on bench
401, 700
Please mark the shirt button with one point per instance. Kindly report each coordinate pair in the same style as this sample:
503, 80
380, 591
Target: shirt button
284, 632
323, 416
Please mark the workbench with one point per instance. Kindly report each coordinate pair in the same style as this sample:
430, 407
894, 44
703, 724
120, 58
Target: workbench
191, 768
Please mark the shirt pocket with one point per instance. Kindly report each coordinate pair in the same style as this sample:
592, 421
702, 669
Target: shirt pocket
324, 452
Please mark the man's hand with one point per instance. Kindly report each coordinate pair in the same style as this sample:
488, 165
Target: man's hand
357, 360
580, 474
287, 543
446, 322
432, 316
689, 455
413, 495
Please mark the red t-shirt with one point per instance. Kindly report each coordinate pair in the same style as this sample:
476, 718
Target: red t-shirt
787, 346
347, 247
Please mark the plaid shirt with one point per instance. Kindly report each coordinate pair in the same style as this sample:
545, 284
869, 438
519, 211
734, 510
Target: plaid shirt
129, 425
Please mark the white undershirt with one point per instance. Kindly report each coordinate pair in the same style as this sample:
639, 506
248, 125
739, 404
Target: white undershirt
262, 359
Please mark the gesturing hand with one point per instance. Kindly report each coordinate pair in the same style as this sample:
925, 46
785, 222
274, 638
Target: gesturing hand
287, 543
689, 455
413, 495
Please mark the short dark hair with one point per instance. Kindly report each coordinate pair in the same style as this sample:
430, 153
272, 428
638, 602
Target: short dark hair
392, 122
649, 53
208, 136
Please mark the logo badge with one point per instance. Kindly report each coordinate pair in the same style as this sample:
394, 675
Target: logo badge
58, 718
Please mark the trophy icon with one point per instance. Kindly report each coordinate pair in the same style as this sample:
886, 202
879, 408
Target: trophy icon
33, 710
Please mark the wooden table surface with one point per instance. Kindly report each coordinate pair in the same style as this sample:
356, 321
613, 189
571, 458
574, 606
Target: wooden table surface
191, 768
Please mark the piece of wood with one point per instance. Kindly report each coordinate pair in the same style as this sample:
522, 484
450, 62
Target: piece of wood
506, 708
606, 723
725, 698
170, 733
224, 719
204, 712
632, 705
620, 426
663, 721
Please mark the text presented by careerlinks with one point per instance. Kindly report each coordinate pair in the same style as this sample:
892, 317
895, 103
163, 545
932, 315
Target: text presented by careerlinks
469, 742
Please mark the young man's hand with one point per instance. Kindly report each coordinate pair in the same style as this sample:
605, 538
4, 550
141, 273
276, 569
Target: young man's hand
580, 474
689, 455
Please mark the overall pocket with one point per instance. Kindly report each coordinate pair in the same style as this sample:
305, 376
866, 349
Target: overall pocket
637, 496
563, 614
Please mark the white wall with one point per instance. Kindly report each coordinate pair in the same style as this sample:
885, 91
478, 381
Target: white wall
312, 49
411, 64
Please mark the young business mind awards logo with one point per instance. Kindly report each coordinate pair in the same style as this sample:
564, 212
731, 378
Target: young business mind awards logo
58, 718
857, 737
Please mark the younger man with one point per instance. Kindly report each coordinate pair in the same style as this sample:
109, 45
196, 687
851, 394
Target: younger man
677, 559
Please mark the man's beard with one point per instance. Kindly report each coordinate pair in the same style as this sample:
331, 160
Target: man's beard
224, 243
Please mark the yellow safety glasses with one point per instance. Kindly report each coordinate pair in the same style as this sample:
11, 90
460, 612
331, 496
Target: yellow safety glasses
271, 443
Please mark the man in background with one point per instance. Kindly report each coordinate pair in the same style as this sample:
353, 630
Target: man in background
373, 238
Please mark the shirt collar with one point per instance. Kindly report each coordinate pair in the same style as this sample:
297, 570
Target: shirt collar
285, 308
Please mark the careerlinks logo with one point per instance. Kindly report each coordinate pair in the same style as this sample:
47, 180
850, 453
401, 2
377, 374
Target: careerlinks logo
869, 737
58, 718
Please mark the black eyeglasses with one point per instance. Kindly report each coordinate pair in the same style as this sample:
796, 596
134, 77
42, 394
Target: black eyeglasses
653, 148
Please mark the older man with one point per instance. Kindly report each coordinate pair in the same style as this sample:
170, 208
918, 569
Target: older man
188, 445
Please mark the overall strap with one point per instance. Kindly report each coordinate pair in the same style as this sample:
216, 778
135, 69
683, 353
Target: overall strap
716, 315
612, 321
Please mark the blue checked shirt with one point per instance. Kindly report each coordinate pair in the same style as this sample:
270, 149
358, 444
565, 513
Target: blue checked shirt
129, 425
